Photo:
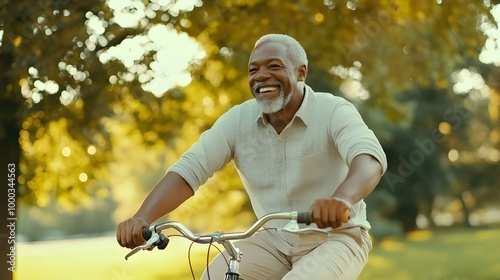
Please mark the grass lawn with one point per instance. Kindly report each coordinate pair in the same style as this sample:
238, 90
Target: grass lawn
453, 255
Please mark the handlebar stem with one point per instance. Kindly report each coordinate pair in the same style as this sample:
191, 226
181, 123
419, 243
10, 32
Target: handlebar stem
234, 261
232, 251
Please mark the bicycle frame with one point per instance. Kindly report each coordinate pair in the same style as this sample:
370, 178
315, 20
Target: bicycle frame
222, 238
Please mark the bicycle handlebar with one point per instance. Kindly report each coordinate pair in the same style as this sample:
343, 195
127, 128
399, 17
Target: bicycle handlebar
300, 217
153, 237
156, 239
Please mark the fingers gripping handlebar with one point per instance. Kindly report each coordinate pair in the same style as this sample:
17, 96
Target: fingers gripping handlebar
305, 217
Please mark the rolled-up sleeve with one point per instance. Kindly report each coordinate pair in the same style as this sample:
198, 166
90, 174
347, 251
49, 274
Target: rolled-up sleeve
212, 151
352, 136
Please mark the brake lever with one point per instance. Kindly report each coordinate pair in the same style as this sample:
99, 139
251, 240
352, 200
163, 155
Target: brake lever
293, 227
150, 243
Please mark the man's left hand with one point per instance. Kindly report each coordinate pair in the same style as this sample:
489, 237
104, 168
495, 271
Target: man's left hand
330, 212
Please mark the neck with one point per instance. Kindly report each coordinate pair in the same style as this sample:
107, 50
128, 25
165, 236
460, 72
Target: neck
280, 119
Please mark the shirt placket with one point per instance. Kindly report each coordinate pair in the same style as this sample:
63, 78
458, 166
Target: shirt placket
282, 166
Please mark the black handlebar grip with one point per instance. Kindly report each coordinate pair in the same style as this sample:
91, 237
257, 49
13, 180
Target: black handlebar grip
163, 242
304, 218
146, 233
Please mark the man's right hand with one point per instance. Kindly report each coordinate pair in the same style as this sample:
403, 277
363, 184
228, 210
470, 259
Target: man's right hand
129, 232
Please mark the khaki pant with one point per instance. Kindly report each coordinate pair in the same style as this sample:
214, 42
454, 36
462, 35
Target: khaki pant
275, 255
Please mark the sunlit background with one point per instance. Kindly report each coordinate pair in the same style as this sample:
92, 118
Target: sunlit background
106, 95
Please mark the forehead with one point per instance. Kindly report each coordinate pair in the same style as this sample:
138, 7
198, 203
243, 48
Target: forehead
269, 51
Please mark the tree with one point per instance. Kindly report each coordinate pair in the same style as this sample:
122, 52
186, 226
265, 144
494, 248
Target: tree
57, 98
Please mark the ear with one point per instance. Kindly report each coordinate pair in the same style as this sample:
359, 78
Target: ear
302, 73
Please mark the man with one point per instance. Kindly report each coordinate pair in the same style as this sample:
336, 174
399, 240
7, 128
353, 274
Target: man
295, 150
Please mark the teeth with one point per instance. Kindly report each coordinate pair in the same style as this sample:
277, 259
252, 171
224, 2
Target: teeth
264, 89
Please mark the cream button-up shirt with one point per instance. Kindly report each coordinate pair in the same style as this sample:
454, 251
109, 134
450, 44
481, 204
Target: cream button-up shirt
308, 160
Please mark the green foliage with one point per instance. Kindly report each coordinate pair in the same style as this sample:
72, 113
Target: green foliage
397, 44
63, 89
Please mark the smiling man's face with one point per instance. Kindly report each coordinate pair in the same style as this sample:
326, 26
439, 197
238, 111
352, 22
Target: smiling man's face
272, 76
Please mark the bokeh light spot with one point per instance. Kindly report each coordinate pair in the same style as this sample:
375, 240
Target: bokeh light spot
66, 151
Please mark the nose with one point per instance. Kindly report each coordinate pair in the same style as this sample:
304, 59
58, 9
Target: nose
261, 75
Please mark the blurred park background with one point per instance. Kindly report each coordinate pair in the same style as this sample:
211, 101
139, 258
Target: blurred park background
99, 98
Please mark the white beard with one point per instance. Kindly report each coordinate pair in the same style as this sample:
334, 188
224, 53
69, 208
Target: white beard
269, 106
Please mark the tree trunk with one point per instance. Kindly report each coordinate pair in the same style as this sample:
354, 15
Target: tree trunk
465, 210
10, 125
8, 192
493, 81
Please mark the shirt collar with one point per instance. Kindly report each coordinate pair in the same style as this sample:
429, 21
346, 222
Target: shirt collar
304, 112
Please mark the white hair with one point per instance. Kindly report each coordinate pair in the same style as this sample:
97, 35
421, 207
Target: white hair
295, 50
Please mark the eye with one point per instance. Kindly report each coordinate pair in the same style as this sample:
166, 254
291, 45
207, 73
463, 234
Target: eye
274, 66
252, 70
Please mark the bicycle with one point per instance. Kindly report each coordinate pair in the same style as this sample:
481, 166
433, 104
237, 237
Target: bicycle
156, 239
